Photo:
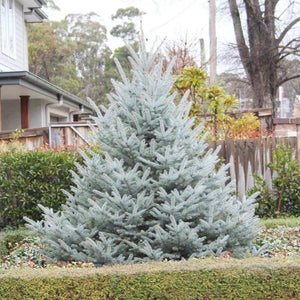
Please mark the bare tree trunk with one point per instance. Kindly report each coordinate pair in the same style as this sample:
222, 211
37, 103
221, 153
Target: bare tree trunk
259, 55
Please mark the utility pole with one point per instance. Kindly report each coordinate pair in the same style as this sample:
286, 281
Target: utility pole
202, 54
212, 42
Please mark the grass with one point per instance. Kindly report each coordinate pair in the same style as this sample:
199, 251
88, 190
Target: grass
287, 222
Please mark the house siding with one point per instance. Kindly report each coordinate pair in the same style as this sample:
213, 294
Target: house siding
35, 113
11, 115
20, 61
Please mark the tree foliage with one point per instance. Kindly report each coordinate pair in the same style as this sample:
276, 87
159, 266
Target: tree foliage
127, 29
75, 47
89, 38
156, 193
211, 105
51, 55
182, 51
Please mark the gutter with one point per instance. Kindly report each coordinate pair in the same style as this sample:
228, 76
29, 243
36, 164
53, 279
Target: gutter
29, 80
58, 104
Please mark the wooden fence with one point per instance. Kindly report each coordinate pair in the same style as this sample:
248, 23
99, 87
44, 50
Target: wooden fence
30, 138
69, 134
56, 135
248, 157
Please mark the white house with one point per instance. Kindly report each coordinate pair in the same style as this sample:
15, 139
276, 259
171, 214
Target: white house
26, 100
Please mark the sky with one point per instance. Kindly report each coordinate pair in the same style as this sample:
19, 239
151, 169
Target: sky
163, 19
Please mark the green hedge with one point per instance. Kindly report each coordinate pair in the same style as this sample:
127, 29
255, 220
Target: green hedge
205, 284
29, 178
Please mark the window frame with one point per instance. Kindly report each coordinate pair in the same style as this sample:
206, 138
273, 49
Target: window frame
8, 28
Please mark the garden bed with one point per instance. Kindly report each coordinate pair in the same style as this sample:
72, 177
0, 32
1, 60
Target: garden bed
223, 277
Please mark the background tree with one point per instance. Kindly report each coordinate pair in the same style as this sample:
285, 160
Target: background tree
75, 48
235, 84
89, 39
211, 105
264, 44
51, 55
184, 51
291, 87
126, 30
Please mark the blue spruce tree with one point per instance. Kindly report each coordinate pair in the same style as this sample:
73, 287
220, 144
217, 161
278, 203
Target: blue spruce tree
155, 193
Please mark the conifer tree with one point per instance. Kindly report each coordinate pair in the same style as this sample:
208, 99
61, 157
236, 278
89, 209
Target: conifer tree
155, 193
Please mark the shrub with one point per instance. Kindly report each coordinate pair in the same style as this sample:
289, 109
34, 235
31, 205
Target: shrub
31, 177
283, 198
225, 283
156, 193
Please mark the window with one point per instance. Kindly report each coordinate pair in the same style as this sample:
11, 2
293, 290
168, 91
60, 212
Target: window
8, 27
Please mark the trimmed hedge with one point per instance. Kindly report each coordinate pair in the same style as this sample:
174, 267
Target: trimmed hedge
31, 178
202, 284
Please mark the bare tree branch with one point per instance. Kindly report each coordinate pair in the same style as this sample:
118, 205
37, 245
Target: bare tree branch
241, 43
282, 81
286, 30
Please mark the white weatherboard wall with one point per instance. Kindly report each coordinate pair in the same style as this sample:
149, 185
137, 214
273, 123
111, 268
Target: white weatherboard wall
35, 113
11, 115
18, 62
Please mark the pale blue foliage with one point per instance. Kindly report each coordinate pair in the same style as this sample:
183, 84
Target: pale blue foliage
155, 193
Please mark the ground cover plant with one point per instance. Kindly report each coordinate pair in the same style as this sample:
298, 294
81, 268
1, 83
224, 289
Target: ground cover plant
156, 193
21, 247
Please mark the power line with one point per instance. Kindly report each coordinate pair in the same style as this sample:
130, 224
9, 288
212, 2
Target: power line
174, 17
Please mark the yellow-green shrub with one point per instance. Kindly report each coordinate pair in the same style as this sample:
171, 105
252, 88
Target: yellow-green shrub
202, 284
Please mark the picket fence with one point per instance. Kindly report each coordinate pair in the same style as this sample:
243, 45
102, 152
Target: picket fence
248, 157
245, 157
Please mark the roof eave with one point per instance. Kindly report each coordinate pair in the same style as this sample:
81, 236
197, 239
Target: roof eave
22, 77
35, 15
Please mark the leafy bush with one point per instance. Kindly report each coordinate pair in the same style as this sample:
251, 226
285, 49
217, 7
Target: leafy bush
265, 200
211, 105
28, 178
283, 198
